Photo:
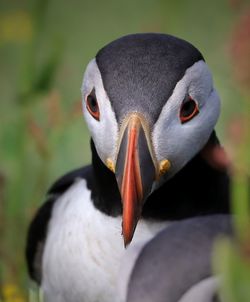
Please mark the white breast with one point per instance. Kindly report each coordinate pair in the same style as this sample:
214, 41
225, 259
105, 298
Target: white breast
204, 291
84, 249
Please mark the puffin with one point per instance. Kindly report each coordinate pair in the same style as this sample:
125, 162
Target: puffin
151, 108
177, 264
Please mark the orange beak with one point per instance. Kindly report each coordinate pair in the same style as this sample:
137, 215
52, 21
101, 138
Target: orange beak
135, 172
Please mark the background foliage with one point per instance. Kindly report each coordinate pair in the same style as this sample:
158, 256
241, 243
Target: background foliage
44, 48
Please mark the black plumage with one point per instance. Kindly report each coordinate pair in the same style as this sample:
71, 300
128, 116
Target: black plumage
198, 189
133, 79
124, 67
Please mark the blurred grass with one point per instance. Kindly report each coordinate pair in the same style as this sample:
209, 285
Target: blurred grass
232, 257
44, 48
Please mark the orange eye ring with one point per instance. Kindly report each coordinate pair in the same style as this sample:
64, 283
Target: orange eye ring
189, 109
92, 106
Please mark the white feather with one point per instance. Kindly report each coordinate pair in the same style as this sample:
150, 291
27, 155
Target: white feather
105, 131
204, 291
84, 249
179, 142
127, 266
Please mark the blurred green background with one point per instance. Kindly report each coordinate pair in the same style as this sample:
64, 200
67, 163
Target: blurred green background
44, 48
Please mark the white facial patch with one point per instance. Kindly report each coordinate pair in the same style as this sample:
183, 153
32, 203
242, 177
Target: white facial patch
178, 142
105, 131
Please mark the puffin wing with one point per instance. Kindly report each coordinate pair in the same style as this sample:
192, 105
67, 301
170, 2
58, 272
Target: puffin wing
176, 264
38, 228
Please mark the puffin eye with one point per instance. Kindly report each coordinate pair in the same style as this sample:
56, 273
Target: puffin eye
92, 105
189, 109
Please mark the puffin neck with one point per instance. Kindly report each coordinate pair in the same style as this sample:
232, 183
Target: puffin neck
197, 189
105, 193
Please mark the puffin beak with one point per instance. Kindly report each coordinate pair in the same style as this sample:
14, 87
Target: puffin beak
135, 171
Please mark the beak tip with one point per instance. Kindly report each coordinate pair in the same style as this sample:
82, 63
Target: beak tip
127, 238
126, 244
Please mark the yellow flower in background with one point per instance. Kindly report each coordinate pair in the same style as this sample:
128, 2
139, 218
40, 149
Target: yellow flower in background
15, 27
11, 293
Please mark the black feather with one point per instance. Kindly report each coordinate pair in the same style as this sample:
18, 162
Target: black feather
38, 228
125, 64
198, 189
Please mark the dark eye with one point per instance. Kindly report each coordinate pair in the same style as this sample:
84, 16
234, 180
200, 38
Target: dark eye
92, 105
189, 109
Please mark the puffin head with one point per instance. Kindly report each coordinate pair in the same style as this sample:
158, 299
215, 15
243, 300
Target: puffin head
150, 106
